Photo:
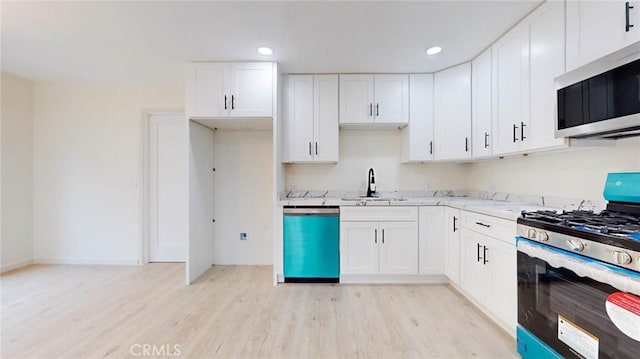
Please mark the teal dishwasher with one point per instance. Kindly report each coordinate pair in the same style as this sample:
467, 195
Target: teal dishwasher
311, 244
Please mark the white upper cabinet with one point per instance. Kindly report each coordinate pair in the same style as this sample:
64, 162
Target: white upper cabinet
597, 28
510, 90
311, 115
217, 90
367, 99
481, 105
452, 113
418, 136
546, 62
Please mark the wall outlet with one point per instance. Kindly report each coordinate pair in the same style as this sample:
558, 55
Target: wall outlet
243, 236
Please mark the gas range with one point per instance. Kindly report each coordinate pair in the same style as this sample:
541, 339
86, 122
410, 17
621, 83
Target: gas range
611, 236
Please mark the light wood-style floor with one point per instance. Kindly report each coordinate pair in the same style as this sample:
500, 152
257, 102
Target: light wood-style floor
57, 311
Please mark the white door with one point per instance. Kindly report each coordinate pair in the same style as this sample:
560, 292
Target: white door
546, 62
598, 28
475, 276
325, 114
398, 245
452, 244
356, 99
452, 113
201, 214
481, 105
251, 89
420, 117
391, 99
207, 91
510, 89
300, 118
502, 259
359, 247
168, 189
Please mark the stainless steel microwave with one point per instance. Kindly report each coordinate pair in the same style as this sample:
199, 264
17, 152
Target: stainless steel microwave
602, 98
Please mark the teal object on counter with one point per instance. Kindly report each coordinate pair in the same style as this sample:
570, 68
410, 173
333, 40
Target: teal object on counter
623, 187
311, 245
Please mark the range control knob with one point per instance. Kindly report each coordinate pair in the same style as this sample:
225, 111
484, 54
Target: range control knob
543, 236
531, 233
620, 257
575, 245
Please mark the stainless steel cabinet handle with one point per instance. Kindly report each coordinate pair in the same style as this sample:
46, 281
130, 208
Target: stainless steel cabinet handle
482, 224
225, 102
522, 126
478, 258
370, 109
377, 109
375, 236
233, 102
627, 8
454, 223
466, 144
309, 148
486, 140
383, 236
515, 129
485, 260
430, 147
316, 148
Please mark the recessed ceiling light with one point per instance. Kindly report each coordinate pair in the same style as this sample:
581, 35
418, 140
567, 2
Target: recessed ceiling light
434, 50
265, 51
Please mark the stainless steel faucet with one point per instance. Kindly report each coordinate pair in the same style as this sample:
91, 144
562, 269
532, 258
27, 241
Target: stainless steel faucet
371, 188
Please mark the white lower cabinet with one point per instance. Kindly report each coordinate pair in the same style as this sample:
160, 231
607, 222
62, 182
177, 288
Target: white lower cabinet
452, 244
488, 267
431, 240
379, 245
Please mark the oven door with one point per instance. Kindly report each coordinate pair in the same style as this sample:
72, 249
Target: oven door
574, 306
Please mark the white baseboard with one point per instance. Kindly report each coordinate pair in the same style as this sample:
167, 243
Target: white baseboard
88, 261
16, 265
392, 279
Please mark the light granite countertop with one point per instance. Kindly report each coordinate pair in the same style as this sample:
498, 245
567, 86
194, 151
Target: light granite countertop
475, 202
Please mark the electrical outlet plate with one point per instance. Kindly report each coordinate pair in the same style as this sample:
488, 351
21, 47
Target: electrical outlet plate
243, 236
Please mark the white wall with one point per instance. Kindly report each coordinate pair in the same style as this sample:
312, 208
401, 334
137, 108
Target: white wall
578, 174
16, 169
88, 169
243, 199
380, 149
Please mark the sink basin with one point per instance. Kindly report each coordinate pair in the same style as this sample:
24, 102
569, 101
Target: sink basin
363, 198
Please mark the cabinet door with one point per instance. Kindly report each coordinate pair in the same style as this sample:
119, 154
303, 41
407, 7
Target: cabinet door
475, 275
452, 113
299, 117
391, 99
325, 115
207, 89
431, 240
546, 62
481, 105
359, 247
419, 134
251, 89
502, 258
398, 245
597, 28
356, 99
452, 244
510, 89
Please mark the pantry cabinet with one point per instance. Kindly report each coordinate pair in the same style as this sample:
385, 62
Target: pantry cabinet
452, 113
481, 105
379, 240
452, 244
311, 118
216, 90
374, 99
418, 136
597, 28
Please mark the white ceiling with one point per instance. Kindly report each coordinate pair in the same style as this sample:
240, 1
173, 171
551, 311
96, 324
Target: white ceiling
150, 42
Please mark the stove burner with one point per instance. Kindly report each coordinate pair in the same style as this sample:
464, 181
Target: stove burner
609, 223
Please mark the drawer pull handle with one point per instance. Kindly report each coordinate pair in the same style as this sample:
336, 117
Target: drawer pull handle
482, 224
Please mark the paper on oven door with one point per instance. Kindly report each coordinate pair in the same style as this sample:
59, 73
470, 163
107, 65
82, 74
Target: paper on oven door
583, 268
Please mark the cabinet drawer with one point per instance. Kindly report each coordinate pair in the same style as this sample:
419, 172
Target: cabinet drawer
498, 228
378, 214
